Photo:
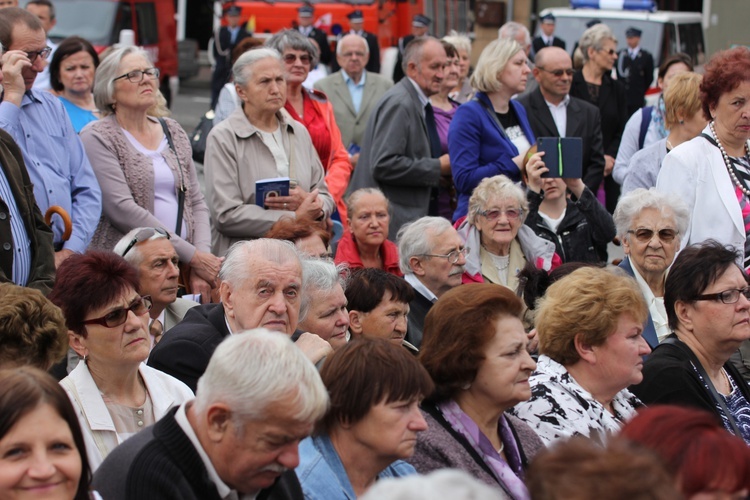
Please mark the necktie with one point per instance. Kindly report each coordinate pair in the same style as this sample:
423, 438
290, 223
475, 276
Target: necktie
429, 118
156, 330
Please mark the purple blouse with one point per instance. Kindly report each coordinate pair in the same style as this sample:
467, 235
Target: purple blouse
442, 121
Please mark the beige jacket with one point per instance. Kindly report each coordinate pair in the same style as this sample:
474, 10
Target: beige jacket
235, 158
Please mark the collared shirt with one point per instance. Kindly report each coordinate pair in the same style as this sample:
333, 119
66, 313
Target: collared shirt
547, 40
233, 32
412, 279
560, 114
21, 242
420, 93
306, 30
634, 52
655, 306
57, 164
356, 90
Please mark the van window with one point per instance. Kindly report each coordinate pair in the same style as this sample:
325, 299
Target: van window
98, 31
148, 29
691, 42
123, 21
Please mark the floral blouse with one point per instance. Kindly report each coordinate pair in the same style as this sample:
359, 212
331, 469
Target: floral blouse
559, 407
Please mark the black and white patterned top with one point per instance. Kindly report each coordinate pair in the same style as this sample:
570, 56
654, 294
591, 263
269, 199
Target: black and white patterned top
559, 407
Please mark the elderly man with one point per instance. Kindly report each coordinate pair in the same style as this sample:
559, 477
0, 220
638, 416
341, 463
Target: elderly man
261, 283
353, 92
53, 153
238, 438
356, 27
553, 112
401, 148
432, 258
45, 11
149, 250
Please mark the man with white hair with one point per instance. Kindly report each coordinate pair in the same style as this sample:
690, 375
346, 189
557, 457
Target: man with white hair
432, 258
149, 250
239, 437
261, 285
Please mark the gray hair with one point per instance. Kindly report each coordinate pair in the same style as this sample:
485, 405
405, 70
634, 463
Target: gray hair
492, 62
104, 85
513, 31
352, 199
461, 42
242, 70
500, 187
255, 369
319, 276
593, 38
294, 40
445, 483
134, 257
351, 36
414, 49
419, 238
633, 203
234, 270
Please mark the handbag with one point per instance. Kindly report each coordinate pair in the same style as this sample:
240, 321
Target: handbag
200, 134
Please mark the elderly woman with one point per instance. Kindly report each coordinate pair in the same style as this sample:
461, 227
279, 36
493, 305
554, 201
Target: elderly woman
647, 125
709, 172
115, 394
312, 109
366, 242
491, 134
650, 225
308, 237
71, 75
228, 98
683, 118
323, 305
497, 241
43, 453
371, 425
145, 168
462, 91
595, 85
589, 325
706, 297
260, 142
474, 348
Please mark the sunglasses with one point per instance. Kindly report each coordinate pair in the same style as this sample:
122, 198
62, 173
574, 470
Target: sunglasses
559, 72
645, 235
290, 58
140, 306
143, 235
610, 51
494, 214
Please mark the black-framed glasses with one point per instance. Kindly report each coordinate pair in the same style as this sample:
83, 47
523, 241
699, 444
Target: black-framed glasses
559, 72
494, 214
644, 235
140, 306
137, 75
452, 257
44, 54
143, 235
303, 58
727, 296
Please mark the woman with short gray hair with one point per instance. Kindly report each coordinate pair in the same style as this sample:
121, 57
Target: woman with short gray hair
323, 303
462, 92
145, 168
650, 225
594, 84
258, 142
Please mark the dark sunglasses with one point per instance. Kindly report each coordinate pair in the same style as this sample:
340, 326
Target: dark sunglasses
559, 72
290, 58
610, 51
143, 235
645, 235
141, 306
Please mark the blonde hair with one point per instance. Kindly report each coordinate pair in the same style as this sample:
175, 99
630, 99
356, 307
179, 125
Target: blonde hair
492, 62
682, 96
593, 38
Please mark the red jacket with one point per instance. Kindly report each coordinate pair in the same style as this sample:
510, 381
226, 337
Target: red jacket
348, 253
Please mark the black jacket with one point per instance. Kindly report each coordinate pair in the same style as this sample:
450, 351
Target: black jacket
42, 271
637, 75
586, 226
613, 108
538, 44
326, 56
418, 309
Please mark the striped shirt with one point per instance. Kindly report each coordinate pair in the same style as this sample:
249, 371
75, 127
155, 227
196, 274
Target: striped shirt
21, 243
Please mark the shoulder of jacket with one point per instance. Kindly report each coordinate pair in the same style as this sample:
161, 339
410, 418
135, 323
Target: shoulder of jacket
317, 95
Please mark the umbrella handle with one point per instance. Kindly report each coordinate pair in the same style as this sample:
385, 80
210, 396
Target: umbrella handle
57, 209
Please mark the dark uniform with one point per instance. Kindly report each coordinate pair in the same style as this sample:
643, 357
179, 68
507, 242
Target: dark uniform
223, 46
373, 63
419, 21
636, 74
538, 42
318, 35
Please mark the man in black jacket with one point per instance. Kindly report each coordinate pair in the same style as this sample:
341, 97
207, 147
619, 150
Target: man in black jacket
225, 40
635, 68
305, 26
547, 38
238, 438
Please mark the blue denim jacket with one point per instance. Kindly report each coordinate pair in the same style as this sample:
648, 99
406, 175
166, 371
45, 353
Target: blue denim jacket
322, 474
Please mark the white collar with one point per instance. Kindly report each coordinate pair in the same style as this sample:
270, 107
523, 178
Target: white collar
420, 287
422, 98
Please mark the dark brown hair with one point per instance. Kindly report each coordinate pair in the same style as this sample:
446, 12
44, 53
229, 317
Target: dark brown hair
367, 287
366, 372
457, 330
68, 47
290, 229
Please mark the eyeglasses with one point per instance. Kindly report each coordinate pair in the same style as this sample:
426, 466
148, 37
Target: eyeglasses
44, 54
137, 75
349, 55
727, 296
452, 257
559, 72
303, 58
143, 235
140, 306
494, 214
645, 235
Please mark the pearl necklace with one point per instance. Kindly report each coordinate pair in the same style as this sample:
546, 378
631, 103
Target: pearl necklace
728, 162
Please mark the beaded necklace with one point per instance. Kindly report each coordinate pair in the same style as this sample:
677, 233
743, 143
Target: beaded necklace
737, 182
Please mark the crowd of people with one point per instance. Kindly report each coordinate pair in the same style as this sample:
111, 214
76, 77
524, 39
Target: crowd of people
425, 308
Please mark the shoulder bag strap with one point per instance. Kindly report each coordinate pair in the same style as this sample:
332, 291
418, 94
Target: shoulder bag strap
181, 189
493, 115
718, 398
645, 122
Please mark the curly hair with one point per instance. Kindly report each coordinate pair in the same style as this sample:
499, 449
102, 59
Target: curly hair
724, 72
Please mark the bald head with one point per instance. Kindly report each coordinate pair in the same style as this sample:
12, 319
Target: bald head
554, 72
549, 53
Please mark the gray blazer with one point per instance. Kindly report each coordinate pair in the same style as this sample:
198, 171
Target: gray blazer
396, 156
351, 123
175, 311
